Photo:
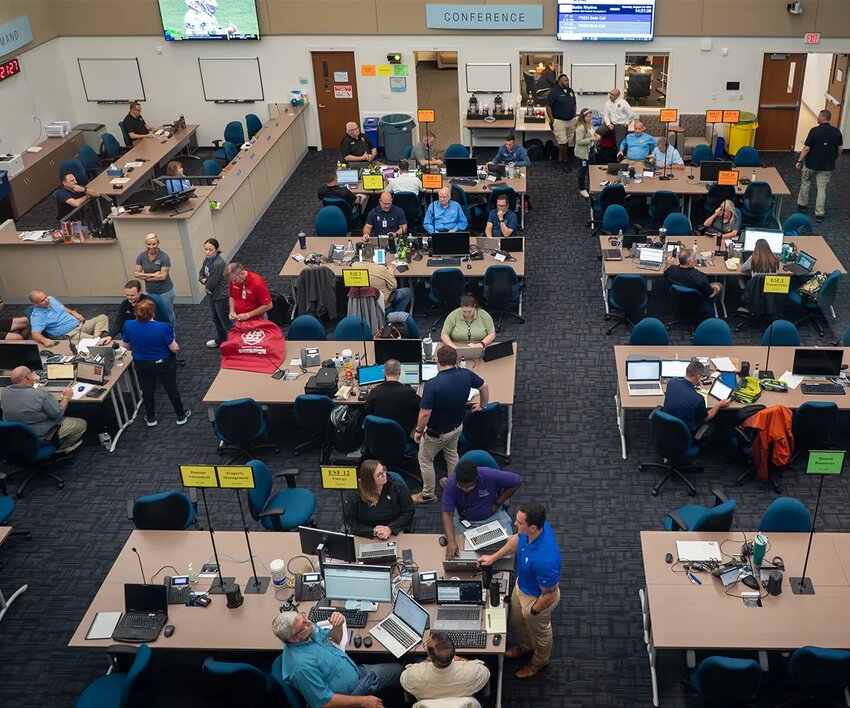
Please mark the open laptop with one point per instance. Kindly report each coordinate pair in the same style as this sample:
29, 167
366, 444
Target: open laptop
698, 551
367, 375
59, 376
467, 562
499, 350
802, 265
483, 536
487, 244
650, 258
402, 630
643, 377
347, 177
470, 352
107, 352
459, 605
145, 612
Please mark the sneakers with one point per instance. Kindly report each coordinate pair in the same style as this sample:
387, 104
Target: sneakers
802, 208
151, 422
185, 418
819, 218
212, 344
584, 193
419, 499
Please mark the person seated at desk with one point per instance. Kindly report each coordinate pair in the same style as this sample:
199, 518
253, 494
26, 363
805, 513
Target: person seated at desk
39, 409
445, 214
71, 195
422, 150
248, 294
51, 320
683, 401
356, 146
323, 673
468, 325
383, 277
13, 327
475, 495
511, 152
637, 147
386, 219
724, 220
444, 674
394, 400
133, 295
135, 125
762, 260
407, 181
381, 506
665, 154
684, 273
332, 189
502, 222
174, 182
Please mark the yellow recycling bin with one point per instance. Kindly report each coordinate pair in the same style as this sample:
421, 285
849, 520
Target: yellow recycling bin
742, 133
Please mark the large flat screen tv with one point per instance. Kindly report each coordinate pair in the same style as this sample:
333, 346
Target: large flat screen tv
209, 19
626, 20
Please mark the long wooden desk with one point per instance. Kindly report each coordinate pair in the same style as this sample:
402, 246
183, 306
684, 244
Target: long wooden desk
5, 602
781, 360
503, 127
690, 617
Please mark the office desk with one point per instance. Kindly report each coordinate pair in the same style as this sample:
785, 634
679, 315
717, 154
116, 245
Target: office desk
4, 603
691, 617
505, 126
781, 360
523, 128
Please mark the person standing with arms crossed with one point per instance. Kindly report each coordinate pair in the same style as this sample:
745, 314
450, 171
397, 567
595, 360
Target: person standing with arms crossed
152, 266
824, 144
561, 112
537, 592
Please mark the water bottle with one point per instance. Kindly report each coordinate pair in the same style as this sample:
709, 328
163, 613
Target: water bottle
620, 236
463, 362
105, 439
428, 348
753, 177
756, 372
193, 576
302, 240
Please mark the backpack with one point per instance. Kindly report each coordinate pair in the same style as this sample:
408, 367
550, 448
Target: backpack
394, 328
279, 314
536, 150
347, 424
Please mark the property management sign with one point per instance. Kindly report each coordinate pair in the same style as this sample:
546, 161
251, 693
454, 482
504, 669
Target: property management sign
484, 17
14, 35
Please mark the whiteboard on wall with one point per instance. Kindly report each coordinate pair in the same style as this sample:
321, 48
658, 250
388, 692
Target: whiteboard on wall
112, 79
488, 78
231, 78
593, 79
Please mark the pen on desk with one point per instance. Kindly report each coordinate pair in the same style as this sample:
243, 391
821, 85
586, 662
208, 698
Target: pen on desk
489, 621
351, 636
694, 579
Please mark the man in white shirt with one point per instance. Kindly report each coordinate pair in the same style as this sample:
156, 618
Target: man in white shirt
443, 674
665, 154
616, 116
406, 181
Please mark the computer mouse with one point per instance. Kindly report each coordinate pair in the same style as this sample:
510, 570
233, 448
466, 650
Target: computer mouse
443, 541
668, 558
750, 582
367, 642
169, 630
358, 640
497, 640
81, 388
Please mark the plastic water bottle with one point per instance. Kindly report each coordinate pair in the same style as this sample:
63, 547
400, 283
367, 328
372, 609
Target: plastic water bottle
620, 236
193, 576
753, 177
302, 240
756, 372
463, 362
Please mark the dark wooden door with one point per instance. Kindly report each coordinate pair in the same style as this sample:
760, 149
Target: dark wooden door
335, 80
779, 100
837, 88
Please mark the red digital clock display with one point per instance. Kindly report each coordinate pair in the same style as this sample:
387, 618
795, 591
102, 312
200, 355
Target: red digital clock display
9, 68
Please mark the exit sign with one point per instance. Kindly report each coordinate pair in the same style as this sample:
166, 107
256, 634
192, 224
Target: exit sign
812, 37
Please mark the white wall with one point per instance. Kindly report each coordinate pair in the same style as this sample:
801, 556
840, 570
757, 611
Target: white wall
816, 81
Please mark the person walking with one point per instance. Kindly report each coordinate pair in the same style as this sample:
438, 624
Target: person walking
824, 144
211, 276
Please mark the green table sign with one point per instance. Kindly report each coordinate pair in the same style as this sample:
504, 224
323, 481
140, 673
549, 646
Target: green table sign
825, 462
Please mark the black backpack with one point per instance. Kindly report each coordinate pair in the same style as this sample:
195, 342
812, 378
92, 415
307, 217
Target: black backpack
536, 150
347, 424
279, 314
393, 330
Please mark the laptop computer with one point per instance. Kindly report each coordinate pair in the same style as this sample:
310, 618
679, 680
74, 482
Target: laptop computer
367, 375
484, 536
459, 605
470, 352
346, 177
698, 551
499, 350
107, 352
402, 630
512, 244
487, 244
615, 167
650, 258
467, 562
145, 612
802, 265
643, 377
59, 376
429, 371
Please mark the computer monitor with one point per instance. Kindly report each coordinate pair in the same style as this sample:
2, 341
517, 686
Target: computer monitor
429, 371
512, 244
461, 167
13, 355
334, 544
450, 243
410, 374
407, 351
370, 583
709, 170
773, 237
346, 177
176, 201
370, 375
817, 362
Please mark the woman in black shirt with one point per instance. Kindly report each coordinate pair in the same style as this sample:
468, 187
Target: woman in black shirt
380, 507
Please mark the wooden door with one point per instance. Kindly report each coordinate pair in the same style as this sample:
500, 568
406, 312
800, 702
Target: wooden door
836, 90
779, 100
335, 80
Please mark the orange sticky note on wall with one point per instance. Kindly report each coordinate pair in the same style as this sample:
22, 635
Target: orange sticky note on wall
368, 70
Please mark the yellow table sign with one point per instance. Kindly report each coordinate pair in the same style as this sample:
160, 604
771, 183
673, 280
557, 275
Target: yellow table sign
731, 116
339, 477
669, 115
199, 476
235, 477
355, 278
431, 181
728, 178
373, 181
714, 116
777, 283
425, 116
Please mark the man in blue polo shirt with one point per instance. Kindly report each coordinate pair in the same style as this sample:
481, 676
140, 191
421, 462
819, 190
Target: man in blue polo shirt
386, 219
536, 593
51, 320
473, 496
502, 222
637, 146
683, 401
445, 214
510, 152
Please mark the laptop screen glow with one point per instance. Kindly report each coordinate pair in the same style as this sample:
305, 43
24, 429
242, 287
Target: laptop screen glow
643, 370
774, 239
409, 612
804, 260
674, 368
652, 255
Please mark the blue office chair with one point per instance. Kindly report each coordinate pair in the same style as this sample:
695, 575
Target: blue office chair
459, 196
75, 167
746, 157
456, 150
481, 458
212, 168
352, 329
165, 511
238, 683
649, 332
786, 515
628, 296
757, 206
702, 518
293, 697
677, 224
409, 322
239, 426
254, 125
482, 430
813, 426
350, 213
128, 141
501, 290
387, 441
411, 205
407, 152
781, 333
822, 674
120, 689
616, 219
109, 147
21, 447
662, 203
312, 416
672, 439
845, 339
713, 332
826, 296
720, 680
330, 221
234, 134
281, 511
717, 194
610, 194
447, 287
306, 328
497, 192
700, 154
688, 304
798, 224
89, 160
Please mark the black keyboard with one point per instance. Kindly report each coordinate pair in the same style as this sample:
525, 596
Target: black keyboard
443, 262
5, 381
822, 389
467, 638
466, 181
459, 614
356, 619
141, 621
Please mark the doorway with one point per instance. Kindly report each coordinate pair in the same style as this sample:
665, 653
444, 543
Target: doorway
538, 72
335, 79
824, 88
779, 100
436, 88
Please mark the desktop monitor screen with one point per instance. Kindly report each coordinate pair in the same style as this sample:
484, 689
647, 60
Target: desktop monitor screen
371, 583
407, 351
13, 355
409, 374
709, 169
336, 545
774, 239
461, 167
817, 362
606, 20
370, 375
204, 20
450, 243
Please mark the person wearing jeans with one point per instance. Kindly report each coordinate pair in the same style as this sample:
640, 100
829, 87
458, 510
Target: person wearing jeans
211, 276
585, 137
152, 266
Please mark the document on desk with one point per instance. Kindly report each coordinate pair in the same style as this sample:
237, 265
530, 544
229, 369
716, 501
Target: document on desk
791, 380
103, 625
86, 342
496, 621
35, 236
724, 364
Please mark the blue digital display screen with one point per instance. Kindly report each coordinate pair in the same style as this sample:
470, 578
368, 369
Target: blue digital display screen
627, 20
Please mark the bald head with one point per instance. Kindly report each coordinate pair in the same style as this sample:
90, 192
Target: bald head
614, 94
39, 298
386, 200
20, 375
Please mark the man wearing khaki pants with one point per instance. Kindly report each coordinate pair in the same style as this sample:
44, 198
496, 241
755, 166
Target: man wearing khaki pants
536, 593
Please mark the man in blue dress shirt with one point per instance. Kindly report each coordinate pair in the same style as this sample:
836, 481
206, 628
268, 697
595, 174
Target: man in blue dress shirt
510, 152
445, 215
637, 146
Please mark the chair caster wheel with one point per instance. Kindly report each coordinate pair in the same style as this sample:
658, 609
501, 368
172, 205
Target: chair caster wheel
654, 492
607, 317
60, 485
277, 449
692, 492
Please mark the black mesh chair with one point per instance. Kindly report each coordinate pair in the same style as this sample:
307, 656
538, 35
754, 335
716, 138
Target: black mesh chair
759, 307
22, 448
672, 439
661, 205
689, 306
240, 426
165, 511
482, 430
447, 286
628, 296
610, 194
502, 290
313, 415
757, 206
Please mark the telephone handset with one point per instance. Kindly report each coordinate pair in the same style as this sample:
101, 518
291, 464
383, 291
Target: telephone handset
179, 589
308, 586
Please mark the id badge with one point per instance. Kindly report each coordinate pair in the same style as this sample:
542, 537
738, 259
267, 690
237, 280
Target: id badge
465, 524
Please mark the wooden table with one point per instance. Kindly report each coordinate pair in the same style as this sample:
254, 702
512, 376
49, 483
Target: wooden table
4, 603
506, 125
781, 360
690, 617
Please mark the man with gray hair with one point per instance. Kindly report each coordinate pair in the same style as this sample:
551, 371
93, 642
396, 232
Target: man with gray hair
683, 401
323, 673
393, 399
356, 146
248, 294
684, 273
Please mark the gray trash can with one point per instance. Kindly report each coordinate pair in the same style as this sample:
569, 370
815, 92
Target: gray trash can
397, 132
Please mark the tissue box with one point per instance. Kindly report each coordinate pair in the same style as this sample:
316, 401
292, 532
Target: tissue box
11, 164
114, 171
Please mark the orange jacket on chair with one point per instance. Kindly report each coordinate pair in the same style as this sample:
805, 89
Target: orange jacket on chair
772, 425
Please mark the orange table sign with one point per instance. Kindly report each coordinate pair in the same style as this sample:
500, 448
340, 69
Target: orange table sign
432, 181
714, 116
728, 178
731, 116
425, 116
669, 115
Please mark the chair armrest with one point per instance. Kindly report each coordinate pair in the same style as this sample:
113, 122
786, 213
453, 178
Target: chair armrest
274, 515
193, 495
217, 143
700, 434
678, 522
121, 657
290, 473
720, 496
657, 408
130, 504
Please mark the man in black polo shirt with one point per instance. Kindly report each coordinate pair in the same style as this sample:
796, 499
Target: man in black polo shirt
561, 111
817, 160
685, 273
334, 190
71, 195
135, 125
386, 219
394, 400
355, 146
683, 401
133, 295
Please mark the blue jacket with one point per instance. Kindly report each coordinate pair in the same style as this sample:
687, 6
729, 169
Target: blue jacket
519, 156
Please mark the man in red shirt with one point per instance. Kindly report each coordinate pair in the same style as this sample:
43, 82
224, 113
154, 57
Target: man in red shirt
248, 293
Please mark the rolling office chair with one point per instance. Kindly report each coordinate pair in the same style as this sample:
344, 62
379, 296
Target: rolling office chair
826, 296
109, 147
716, 195
293, 698
352, 329
387, 441
813, 426
482, 431
447, 287
713, 332
411, 526
673, 440
121, 687
649, 332
662, 203
501, 290
407, 152
128, 141
700, 154
823, 675
798, 224
481, 458
628, 296
677, 224
411, 205
703, 518
760, 307
330, 221
234, 133
212, 168
253, 124
280, 511
781, 333
89, 160
227, 153
688, 304
165, 511
239, 425
720, 680
76, 168
497, 192
639, 86
459, 196
306, 328
746, 157
238, 683
350, 213
757, 206
456, 150
786, 515
617, 219
7, 508
312, 415
610, 194
22, 448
